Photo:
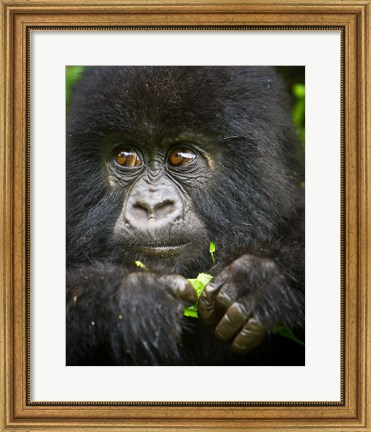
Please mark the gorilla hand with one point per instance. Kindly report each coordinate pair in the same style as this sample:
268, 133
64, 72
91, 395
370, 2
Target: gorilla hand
154, 306
178, 293
239, 300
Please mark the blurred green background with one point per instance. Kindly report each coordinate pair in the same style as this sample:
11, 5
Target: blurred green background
293, 75
73, 74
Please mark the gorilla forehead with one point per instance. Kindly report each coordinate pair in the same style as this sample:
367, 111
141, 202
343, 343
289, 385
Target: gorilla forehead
156, 100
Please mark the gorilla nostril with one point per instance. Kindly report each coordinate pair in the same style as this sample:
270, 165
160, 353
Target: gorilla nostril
164, 209
142, 211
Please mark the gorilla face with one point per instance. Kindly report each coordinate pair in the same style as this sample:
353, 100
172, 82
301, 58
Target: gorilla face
177, 157
157, 222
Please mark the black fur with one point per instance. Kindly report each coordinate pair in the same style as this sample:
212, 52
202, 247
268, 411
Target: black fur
248, 200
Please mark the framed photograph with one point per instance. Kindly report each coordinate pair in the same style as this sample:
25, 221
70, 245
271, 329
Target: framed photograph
185, 228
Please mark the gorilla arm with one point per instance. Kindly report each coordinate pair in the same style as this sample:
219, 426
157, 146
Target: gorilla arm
115, 317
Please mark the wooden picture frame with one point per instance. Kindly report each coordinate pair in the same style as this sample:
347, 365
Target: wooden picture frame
17, 411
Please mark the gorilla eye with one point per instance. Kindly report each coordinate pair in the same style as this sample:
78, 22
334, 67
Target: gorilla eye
180, 157
128, 158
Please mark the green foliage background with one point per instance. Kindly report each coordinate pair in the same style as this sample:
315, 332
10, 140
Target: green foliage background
73, 74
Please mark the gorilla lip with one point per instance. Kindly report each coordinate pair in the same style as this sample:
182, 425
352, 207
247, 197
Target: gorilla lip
160, 250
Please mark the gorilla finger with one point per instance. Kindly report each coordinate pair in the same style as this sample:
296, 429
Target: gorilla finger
180, 287
231, 322
206, 304
227, 295
251, 335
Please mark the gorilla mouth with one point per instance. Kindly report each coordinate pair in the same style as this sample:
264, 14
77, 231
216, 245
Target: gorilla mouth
154, 250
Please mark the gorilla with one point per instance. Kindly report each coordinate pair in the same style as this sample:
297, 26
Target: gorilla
162, 161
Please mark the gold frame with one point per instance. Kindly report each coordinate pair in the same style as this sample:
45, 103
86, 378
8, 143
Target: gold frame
354, 411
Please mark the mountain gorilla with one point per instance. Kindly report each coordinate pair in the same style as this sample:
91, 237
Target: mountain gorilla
160, 162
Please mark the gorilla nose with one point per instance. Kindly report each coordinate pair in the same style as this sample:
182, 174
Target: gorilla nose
154, 211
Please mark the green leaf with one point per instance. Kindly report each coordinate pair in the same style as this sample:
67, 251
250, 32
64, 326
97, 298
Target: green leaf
287, 333
191, 312
212, 250
198, 284
141, 265
203, 279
